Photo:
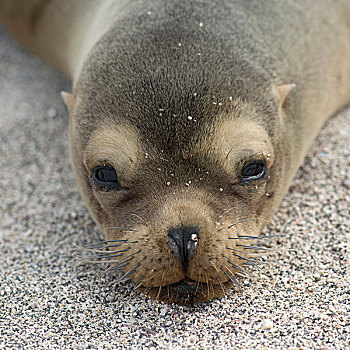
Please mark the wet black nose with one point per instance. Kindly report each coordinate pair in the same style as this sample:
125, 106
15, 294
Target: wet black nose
183, 243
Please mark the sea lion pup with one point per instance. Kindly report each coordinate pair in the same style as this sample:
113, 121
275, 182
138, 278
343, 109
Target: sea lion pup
188, 120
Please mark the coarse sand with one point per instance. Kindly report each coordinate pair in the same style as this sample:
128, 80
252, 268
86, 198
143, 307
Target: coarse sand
299, 299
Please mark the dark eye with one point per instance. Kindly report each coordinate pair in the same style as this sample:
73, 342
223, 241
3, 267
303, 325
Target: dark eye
253, 171
105, 175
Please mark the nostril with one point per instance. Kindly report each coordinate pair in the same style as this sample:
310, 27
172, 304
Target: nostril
183, 242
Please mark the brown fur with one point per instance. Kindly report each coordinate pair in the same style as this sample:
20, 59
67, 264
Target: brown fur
178, 97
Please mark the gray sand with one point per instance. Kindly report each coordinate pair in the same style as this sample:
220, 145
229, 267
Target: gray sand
49, 300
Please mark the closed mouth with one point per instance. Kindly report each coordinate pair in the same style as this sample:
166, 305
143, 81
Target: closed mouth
187, 291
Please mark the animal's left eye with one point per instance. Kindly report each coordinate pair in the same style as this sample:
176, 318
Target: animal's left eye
253, 171
104, 175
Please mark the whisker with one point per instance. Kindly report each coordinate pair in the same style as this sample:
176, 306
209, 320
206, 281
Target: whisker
100, 261
197, 286
149, 286
230, 276
252, 261
212, 288
123, 278
139, 217
208, 287
235, 250
240, 222
97, 251
160, 285
259, 255
106, 255
259, 237
130, 273
103, 244
168, 290
244, 220
224, 290
117, 227
101, 257
111, 252
113, 241
244, 272
227, 210
254, 247
252, 254
233, 276
228, 153
258, 251
119, 244
137, 282
119, 265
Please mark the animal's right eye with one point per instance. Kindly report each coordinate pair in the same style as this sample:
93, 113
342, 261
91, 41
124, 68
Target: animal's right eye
253, 171
105, 175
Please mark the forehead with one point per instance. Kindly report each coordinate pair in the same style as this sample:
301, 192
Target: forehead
221, 144
171, 97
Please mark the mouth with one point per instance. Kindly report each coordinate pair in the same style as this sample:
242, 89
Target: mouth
187, 291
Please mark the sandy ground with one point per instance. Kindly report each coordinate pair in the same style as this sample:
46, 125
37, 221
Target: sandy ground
48, 300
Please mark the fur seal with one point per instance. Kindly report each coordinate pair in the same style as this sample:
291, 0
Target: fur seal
188, 120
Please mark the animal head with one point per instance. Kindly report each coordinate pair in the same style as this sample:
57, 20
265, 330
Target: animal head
180, 173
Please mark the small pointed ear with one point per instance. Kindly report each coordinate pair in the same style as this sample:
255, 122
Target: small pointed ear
283, 91
69, 100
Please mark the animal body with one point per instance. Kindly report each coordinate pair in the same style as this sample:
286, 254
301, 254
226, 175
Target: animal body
188, 120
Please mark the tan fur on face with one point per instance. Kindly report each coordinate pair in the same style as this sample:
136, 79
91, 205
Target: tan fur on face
238, 139
146, 256
116, 145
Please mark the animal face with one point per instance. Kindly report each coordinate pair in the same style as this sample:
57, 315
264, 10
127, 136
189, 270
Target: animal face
178, 172
180, 222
